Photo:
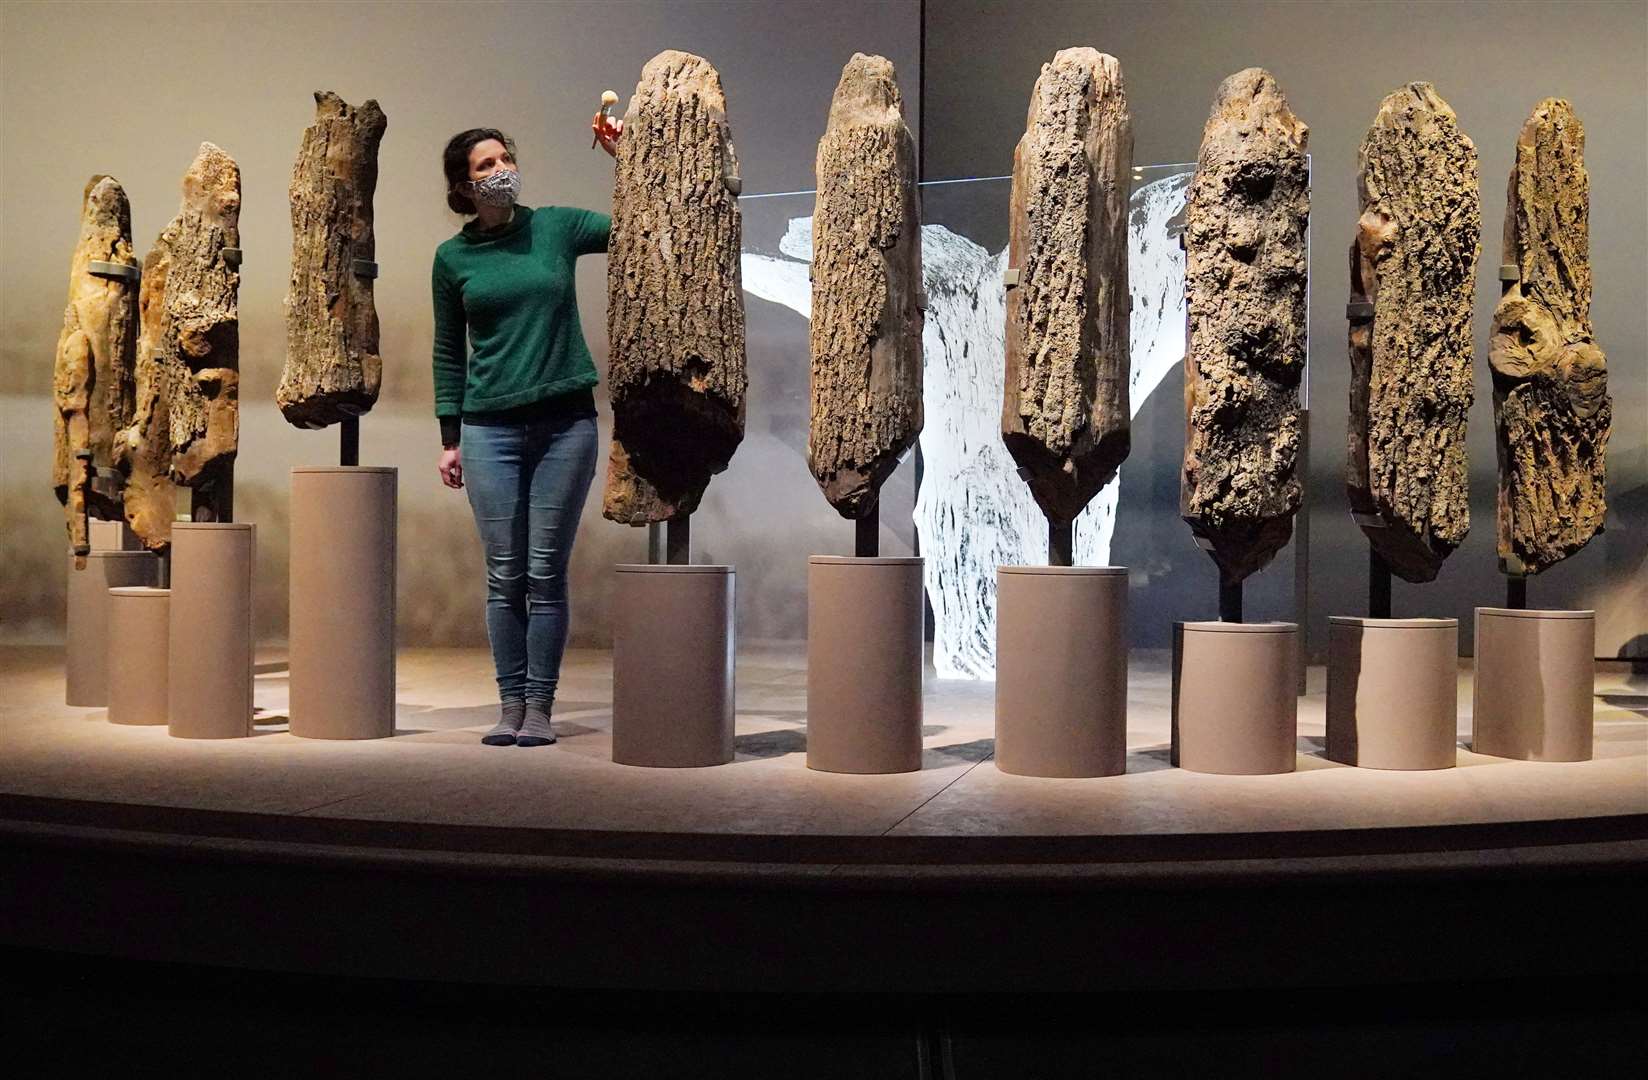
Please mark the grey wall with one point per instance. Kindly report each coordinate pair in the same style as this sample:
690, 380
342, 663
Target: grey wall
1492, 62
132, 89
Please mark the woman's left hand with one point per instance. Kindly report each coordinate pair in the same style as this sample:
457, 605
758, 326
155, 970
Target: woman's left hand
607, 129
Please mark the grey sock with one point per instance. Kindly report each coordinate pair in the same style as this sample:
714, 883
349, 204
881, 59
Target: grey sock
535, 729
511, 714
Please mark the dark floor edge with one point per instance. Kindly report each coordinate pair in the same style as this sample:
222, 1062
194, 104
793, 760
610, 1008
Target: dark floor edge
726, 925
1619, 841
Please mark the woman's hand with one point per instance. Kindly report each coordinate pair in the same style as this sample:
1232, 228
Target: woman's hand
451, 467
607, 129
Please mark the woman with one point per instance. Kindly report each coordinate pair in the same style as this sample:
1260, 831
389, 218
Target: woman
517, 414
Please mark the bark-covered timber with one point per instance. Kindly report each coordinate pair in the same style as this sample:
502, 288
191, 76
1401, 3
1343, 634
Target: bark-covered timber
333, 368
92, 376
1412, 285
867, 302
1550, 380
1245, 281
1065, 416
145, 446
675, 303
202, 342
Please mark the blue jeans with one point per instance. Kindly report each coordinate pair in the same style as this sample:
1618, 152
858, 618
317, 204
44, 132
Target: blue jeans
527, 483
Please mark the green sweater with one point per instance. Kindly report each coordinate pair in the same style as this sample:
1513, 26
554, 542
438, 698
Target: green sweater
513, 290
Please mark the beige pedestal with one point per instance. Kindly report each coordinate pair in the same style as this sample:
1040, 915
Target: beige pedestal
864, 660
112, 536
672, 666
210, 653
86, 643
1393, 692
139, 622
342, 637
1061, 670
1235, 708
1534, 679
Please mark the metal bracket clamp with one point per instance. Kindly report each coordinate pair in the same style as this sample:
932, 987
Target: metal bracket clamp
735, 185
1359, 310
1510, 272
1511, 566
1369, 521
128, 271
921, 299
232, 256
365, 268
1024, 473
1203, 542
1011, 277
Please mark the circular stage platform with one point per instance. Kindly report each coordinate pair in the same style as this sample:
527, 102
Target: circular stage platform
401, 857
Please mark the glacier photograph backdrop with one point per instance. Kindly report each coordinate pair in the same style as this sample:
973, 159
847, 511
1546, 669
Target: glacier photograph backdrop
972, 513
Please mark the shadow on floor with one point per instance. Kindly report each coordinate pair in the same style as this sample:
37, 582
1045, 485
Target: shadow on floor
268, 722
761, 745
1153, 759
1636, 703
461, 717
938, 757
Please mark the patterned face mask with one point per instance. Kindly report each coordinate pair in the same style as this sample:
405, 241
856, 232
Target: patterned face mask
501, 188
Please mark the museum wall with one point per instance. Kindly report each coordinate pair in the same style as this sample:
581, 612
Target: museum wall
1336, 61
133, 89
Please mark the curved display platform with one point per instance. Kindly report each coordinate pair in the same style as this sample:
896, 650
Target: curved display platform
762, 874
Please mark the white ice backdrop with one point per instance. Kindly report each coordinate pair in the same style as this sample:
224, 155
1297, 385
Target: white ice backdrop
973, 513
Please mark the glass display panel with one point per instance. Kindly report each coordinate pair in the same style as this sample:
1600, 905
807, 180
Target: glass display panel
971, 512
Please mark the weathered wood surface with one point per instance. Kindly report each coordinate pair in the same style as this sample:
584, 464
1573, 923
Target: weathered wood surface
1065, 415
92, 379
333, 367
675, 304
866, 311
1245, 281
1550, 381
202, 342
1413, 283
145, 446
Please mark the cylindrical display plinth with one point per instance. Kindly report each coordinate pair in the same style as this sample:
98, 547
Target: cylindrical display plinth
1235, 708
210, 653
139, 629
86, 643
1534, 680
1393, 692
1061, 670
864, 659
672, 666
342, 638
112, 536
